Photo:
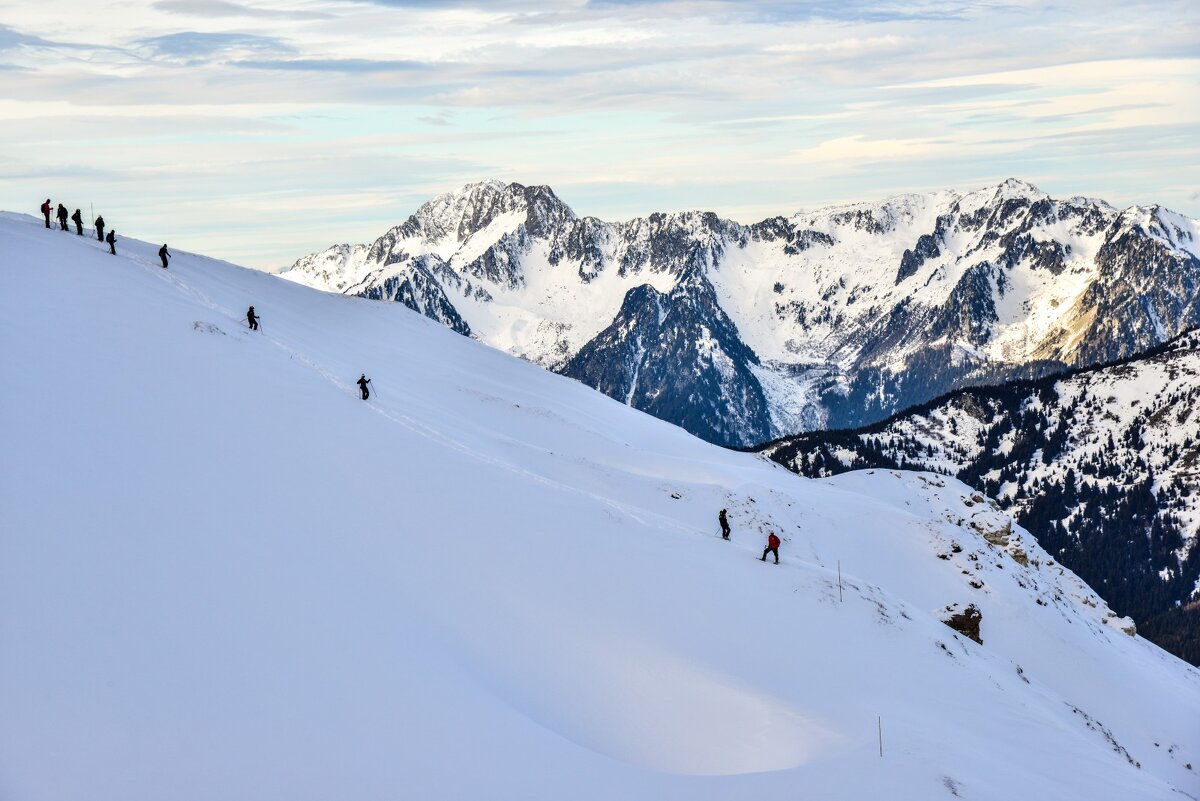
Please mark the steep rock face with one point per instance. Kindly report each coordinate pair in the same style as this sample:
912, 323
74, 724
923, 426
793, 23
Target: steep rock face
678, 356
1101, 465
851, 313
1148, 285
419, 289
927, 248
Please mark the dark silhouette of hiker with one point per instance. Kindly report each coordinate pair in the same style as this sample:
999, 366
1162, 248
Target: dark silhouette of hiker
164, 255
46, 209
772, 547
724, 524
111, 239
252, 318
362, 384
100, 228
62, 217
77, 218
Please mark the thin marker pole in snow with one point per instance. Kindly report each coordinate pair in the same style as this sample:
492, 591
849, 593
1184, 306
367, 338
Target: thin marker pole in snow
92, 209
839, 581
879, 724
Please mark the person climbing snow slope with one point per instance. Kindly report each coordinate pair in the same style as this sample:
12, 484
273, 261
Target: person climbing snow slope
721, 517
164, 255
362, 384
46, 209
772, 547
252, 319
77, 218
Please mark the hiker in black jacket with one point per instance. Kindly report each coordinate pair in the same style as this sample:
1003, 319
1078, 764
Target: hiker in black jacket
252, 319
724, 524
100, 228
164, 255
362, 384
111, 239
77, 218
62, 216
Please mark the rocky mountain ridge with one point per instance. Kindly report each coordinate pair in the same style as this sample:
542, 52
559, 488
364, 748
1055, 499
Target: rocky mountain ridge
824, 319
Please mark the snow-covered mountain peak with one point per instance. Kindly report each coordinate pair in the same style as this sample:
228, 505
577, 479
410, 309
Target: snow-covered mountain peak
475, 207
1017, 188
1171, 227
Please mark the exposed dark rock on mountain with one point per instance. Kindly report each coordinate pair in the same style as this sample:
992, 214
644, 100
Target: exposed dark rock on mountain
678, 356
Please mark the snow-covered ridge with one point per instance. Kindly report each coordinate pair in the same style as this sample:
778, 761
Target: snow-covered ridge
224, 575
848, 313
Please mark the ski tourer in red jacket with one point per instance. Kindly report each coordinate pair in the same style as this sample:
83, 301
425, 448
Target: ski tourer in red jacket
772, 547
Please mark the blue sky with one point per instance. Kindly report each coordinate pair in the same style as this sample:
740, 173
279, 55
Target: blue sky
261, 131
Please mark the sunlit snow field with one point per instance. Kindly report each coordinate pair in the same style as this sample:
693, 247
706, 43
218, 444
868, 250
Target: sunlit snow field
222, 575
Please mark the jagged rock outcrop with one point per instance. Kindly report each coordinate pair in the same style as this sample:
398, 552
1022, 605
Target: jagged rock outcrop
678, 356
965, 621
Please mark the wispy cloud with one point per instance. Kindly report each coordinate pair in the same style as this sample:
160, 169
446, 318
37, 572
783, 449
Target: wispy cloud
225, 9
195, 47
345, 65
441, 119
11, 38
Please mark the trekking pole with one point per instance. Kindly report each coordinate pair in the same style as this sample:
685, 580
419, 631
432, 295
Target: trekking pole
839, 581
373, 387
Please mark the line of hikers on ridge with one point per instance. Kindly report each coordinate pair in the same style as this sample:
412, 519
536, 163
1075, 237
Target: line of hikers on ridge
165, 255
77, 218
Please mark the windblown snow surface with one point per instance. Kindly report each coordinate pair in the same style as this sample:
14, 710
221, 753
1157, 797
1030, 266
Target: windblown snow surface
224, 576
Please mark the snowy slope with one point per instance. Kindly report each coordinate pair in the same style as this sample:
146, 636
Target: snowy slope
224, 576
840, 316
1102, 465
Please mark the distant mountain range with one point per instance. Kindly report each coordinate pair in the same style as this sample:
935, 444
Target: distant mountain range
1101, 465
825, 319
